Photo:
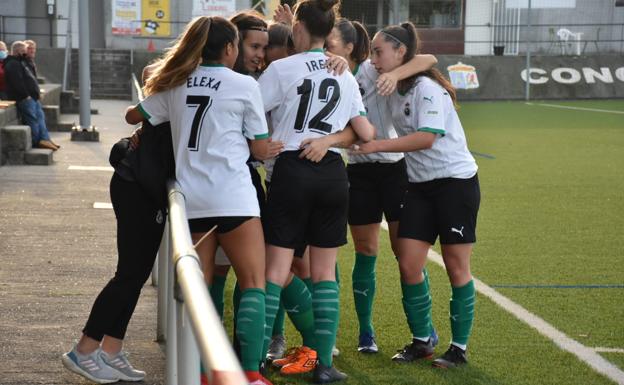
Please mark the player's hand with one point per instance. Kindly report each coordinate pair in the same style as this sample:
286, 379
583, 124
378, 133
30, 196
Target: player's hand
336, 64
314, 149
275, 147
283, 14
364, 148
387, 83
135, 139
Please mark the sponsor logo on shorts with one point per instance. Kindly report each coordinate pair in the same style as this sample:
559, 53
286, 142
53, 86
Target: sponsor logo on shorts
460, 231
160, 217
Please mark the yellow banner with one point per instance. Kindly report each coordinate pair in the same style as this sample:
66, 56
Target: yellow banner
156, 18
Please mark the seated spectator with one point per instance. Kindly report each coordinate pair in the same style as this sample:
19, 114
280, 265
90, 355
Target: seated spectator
22, 86
31, 51
3, 55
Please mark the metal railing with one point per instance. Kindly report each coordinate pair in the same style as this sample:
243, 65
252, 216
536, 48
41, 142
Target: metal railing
187, 319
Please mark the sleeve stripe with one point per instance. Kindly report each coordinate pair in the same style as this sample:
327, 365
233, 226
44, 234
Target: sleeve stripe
143, 112
432, 130
262, 136
363, 113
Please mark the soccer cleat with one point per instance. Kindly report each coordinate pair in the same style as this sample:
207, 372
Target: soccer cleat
255, 378
277, 347
304, 362
453, 358
326, 374
90, 366
289, 357
415, 351
367, 343
120, 363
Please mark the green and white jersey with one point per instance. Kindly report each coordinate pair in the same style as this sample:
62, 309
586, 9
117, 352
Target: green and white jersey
212, 115
428, 107
378, 114
306, 101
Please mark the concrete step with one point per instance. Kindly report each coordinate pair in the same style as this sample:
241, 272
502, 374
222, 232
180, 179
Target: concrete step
16, 138
52, 114
65, 126
39, 156
116, 96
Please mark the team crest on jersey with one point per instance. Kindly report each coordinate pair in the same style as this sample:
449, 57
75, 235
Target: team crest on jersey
407, 110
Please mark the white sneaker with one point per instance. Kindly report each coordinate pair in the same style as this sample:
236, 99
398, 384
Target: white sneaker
90, 366
120, 363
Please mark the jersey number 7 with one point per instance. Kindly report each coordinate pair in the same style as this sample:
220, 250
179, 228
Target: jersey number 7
203, 103
306, 89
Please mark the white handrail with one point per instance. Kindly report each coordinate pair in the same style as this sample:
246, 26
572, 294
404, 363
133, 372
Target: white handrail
195, 323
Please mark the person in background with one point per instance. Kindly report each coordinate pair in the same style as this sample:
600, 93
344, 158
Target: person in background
31, 52
22, 86
3, 55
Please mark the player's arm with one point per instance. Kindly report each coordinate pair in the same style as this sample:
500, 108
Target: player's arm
417, 141
363, 128
259, 148
134, 115
315, 149
387, 83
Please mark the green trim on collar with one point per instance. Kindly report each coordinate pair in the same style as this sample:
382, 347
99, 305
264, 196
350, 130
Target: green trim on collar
143, 112
212, 65
363, 113
432, 130
261, 136
321, 50
356, 69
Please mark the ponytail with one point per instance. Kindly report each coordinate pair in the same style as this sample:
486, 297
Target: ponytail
354, 32
407, 35
203, 39
318, 16
181, 59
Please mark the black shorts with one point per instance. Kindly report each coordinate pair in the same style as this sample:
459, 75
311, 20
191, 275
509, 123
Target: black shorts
256, 180
376, 189
299, 250
307, 202
224, 224
446, 207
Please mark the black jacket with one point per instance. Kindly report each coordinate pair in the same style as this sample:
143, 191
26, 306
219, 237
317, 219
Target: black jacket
151, 164
20, 81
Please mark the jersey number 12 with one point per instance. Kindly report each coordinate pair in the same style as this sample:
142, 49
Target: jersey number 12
306, 89
203, 103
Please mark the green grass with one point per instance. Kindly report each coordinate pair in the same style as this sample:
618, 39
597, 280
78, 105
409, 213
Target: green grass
552, 212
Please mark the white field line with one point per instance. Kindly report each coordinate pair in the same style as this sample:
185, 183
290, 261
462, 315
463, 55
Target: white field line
608, 350
585, 354
103, 205
574, 108
90, 168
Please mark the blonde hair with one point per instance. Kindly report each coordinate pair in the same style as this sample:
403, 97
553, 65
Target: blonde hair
16, 46
181, 59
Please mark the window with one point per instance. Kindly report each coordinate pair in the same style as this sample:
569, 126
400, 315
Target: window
436, 13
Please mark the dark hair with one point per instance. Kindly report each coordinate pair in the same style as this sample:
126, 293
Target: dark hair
354, 32
318, 16
246, 21
280, 35
407, 35
221, 33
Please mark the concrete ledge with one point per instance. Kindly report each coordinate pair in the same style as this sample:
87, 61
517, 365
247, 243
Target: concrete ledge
50, 94
80, 135
15, 157
16, 138
39, 156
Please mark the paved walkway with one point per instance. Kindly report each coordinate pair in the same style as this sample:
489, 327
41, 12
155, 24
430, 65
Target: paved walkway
56, 253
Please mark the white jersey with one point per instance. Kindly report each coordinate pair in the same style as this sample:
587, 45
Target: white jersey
428, 107
212, 115
378, 114
306, 101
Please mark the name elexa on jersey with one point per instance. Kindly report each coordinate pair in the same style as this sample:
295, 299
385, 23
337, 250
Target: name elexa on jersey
203, 81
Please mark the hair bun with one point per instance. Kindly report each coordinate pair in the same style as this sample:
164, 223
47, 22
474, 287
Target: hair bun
326, 5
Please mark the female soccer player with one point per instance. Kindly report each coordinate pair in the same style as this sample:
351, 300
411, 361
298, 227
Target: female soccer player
213, 113
442, 199
377, 182
307, 201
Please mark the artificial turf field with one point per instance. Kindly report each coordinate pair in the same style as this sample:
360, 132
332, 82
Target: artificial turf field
550, 238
